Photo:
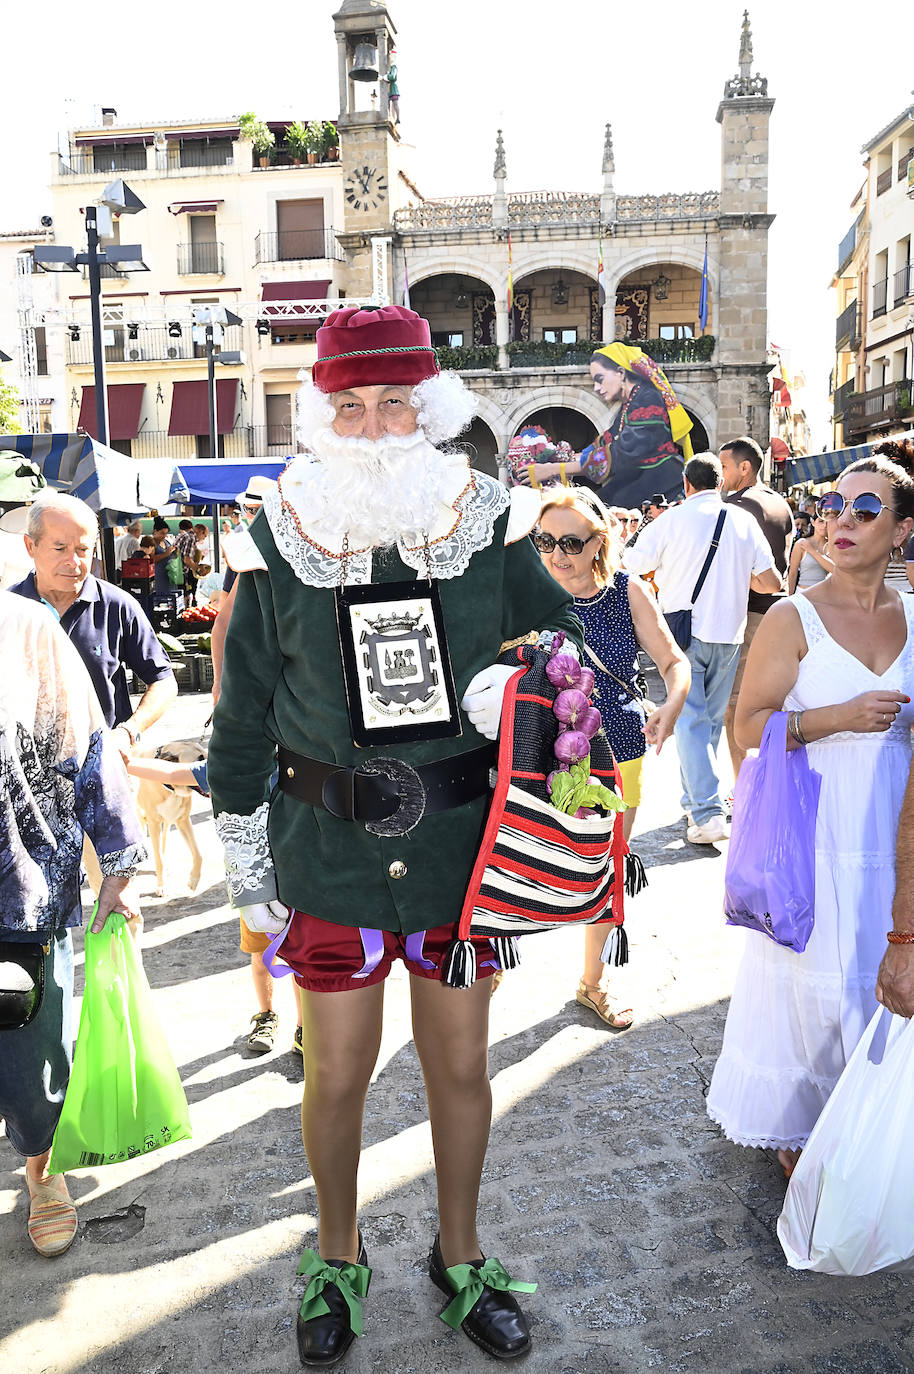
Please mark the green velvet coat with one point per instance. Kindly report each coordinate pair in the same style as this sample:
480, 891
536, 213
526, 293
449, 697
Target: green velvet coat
282, 683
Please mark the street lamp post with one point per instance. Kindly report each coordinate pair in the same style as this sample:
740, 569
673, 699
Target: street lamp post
209, 329
117, 197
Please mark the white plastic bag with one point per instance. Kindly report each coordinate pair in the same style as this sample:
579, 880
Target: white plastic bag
850, 1202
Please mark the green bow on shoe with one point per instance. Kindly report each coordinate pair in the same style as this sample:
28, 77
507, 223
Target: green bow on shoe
469, 1281
351, 1279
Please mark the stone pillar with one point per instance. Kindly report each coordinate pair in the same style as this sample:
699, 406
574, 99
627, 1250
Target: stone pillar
740, 314
500, 202
501, 333
383, 65
343, 74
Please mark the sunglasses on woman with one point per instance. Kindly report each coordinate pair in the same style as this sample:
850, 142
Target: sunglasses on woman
864, 508
568, 543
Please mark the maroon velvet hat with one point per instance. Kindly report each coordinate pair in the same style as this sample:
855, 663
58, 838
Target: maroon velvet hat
389, 346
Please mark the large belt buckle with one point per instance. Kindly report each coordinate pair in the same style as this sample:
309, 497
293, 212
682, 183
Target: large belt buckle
412, 796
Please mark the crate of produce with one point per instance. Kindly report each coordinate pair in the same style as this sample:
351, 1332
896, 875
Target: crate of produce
185, 671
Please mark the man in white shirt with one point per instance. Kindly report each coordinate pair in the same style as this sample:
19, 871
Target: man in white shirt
674, 549
128, 543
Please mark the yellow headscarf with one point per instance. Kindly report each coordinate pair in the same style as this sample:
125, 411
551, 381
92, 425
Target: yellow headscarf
635, 360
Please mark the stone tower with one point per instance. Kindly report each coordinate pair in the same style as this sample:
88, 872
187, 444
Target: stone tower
741, 316
369, 143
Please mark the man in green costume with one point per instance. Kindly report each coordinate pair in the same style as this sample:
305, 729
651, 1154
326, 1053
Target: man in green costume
376, 512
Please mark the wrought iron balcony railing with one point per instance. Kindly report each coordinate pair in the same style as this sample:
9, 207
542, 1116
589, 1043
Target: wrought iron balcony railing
847, 330
297, 245
199, 259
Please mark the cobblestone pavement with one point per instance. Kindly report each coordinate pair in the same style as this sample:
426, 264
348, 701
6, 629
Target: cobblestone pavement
652, 1238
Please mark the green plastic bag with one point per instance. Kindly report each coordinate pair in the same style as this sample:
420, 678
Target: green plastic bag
174, 569
125, 1097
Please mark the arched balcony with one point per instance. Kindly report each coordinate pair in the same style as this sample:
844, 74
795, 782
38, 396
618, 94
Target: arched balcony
657, 307
556, 319
460, 310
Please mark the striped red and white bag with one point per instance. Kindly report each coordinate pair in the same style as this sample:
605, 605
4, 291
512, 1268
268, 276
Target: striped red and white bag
538, 868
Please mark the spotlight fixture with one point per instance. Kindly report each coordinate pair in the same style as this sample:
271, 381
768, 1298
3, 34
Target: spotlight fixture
174, 329
263, 327
133, 332
73, 331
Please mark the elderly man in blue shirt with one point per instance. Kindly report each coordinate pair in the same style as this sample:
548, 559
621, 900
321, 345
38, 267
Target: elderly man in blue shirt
109, 629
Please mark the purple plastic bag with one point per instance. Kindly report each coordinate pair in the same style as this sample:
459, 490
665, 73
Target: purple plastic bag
770, 882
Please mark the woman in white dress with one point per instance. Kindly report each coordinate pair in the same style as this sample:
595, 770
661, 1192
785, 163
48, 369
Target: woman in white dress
841, 655
809, 560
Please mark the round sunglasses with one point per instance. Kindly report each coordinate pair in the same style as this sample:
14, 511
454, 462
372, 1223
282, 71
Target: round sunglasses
568, 543
864, 508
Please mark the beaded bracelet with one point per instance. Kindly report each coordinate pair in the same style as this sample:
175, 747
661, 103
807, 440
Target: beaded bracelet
900, 937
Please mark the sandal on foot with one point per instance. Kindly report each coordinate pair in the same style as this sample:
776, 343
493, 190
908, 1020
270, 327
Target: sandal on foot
330, 1316
52, 1216
788, 1160
482, 1304
598, 1000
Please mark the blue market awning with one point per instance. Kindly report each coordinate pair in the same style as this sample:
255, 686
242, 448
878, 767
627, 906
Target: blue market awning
105, 480
825, 467
213, 480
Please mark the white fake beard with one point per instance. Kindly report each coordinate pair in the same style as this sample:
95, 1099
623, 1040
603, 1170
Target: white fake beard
374, 490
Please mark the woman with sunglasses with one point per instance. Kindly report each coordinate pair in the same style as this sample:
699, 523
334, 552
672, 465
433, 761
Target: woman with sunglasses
839, 658
576, 543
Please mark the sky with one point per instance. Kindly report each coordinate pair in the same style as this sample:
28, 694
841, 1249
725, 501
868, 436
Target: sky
550, 76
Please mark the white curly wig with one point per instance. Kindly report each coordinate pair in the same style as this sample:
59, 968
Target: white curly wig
444, 408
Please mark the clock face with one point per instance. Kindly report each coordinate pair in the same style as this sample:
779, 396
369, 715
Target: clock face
364, 188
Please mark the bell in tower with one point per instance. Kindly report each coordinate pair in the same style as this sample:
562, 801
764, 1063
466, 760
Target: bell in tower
365, 37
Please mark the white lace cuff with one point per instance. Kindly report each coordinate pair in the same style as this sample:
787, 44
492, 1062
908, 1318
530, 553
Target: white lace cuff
248, 864
123, 862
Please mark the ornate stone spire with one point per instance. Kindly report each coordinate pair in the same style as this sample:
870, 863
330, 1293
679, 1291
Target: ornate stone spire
745, 49
745, 83
609, 164
501, 169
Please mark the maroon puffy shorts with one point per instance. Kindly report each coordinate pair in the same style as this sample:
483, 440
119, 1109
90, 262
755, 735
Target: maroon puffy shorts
329, 958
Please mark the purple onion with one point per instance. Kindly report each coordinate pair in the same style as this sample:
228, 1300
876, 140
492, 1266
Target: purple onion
569, 706
563, 671
586, 681
571, 746
589, 722
584, 812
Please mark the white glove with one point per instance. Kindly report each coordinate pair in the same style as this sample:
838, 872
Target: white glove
483, 697
266, 918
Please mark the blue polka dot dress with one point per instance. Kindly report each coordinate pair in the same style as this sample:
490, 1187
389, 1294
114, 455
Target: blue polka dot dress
610, 632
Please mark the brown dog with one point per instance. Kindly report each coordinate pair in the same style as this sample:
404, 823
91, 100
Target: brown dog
161, 807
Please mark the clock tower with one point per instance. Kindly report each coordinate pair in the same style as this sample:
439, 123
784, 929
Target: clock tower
369, 142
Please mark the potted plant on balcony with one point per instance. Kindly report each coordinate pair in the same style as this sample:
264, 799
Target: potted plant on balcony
314, 139
260, 135
297, 141
330, 149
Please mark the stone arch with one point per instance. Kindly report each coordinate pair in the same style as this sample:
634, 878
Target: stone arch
569, 396
492, 415
683, 254
554, 258
420, 269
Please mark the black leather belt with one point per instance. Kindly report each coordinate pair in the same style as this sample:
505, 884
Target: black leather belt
388, 796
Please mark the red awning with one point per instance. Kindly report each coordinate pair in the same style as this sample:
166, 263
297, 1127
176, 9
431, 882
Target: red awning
292, 291
185, 207
779, 450
190, 407
124, 405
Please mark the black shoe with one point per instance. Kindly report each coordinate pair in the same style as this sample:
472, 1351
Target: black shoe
495, 1321
324, 1340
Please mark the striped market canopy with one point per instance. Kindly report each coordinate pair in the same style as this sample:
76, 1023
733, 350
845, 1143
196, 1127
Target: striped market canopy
824, 467
107, 481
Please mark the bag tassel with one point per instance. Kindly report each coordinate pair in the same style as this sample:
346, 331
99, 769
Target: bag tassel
615, 950
635, 876
459, 968
506, 950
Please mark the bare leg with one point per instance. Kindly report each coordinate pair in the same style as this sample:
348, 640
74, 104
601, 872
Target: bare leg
263, 983
341, 1036
451, 1030
36, 1168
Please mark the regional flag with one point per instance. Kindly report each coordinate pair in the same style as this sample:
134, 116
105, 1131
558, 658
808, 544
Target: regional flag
510, 291
703, 296
601, 279
406, 285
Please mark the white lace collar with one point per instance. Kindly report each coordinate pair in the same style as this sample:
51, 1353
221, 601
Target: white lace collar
463, 526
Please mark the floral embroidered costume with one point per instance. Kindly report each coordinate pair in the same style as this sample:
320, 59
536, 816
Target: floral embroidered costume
637, 457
